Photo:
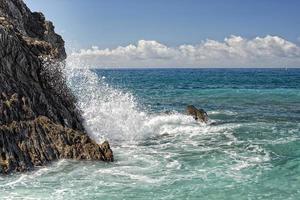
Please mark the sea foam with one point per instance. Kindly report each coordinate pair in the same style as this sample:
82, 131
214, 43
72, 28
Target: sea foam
116, 115
113, 114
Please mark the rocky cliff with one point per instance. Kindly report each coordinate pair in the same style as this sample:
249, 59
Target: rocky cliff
39, 121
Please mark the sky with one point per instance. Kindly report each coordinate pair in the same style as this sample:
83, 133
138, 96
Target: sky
178, 33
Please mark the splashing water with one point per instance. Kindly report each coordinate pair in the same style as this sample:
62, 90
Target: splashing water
113, 114
251, 152
108, 113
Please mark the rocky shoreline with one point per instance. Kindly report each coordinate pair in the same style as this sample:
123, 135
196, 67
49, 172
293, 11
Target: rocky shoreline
39, 121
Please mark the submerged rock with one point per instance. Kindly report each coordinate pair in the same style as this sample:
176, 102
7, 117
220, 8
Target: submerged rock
39, 121
198, 114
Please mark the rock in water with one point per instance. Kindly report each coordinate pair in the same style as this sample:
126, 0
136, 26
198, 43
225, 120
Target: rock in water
198, 114
39, 121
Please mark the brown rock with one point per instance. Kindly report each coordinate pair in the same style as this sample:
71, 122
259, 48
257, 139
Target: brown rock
25, 144
108, 154
198, 114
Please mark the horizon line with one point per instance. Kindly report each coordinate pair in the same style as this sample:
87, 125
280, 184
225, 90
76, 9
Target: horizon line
284, 68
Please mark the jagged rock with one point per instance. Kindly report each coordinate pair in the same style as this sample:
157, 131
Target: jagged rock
32, 28
25, 144
198, 114
108, 154
39, 121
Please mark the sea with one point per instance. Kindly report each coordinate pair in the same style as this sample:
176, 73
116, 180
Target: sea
249, 149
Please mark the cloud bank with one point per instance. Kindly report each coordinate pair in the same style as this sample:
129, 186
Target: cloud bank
234, 51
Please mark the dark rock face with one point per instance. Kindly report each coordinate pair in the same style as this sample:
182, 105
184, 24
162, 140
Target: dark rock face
39, 121
32, 28
25, 144
198, 114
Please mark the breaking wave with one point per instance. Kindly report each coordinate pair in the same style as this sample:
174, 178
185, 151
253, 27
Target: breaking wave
116, 115
170, 156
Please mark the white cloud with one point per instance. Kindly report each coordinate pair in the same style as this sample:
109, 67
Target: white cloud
235, 51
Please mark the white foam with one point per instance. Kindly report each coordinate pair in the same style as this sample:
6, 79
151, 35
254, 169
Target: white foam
115, 115
225, 112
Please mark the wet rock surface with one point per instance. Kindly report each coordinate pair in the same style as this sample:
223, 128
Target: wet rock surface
39, 121
198, 113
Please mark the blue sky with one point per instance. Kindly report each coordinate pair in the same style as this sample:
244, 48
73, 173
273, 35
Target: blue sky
113, 23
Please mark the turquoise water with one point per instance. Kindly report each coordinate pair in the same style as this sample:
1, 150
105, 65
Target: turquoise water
253, 151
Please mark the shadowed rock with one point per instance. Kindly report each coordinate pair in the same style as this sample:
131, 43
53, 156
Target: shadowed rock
107, 152
39, 121
198, 114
